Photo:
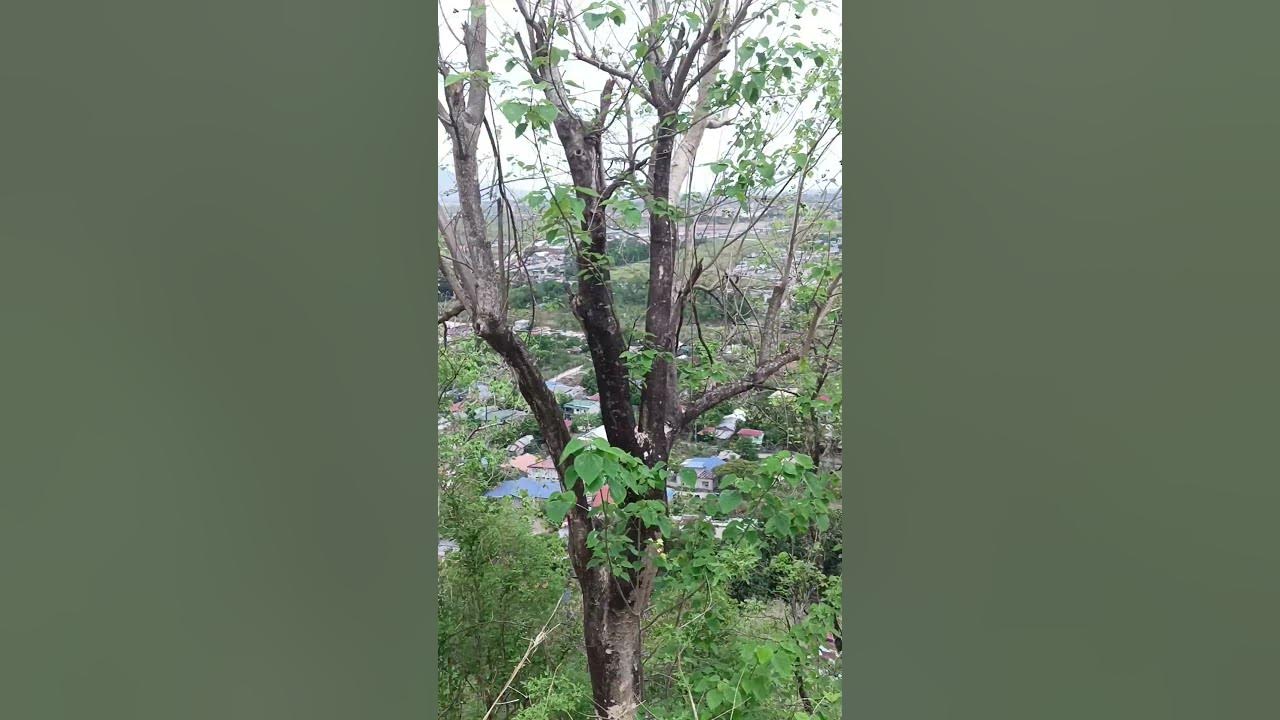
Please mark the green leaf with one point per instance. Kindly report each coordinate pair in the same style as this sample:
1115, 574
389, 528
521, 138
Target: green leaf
546, 112
823, 522
688, 477
513, 110
594, 20
631, 215
521, 128
714, 698
588, 467
558, 506
729, 501
778, 526
573, 447
453, 78
719, 167
763, 654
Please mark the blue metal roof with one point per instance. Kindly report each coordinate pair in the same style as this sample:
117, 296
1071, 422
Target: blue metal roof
539, 489
704, 463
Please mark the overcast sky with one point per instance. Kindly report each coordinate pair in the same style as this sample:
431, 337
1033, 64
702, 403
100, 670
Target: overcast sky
822, 28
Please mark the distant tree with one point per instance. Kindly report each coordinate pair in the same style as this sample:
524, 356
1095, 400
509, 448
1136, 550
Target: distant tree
740, 467
744, 447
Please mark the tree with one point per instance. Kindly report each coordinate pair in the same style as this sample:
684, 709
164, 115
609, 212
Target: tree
744, 448
633, 146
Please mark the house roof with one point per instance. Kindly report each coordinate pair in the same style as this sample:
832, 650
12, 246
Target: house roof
703, 463
601, 497
596, 432
539, 489
595, 397
751, 432
545, 464
523, 462
582, 404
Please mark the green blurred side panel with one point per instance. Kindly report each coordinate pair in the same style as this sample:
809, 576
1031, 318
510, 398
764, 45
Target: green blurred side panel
216, 476
1061, 477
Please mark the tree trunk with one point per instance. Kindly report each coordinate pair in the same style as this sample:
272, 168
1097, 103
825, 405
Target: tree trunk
593, 303
658, 405
612, 631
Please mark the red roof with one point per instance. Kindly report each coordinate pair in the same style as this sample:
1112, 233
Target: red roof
748, 432
456, 407
523, 462
601, 497
708, 430
568, 424
595, 397
545, 464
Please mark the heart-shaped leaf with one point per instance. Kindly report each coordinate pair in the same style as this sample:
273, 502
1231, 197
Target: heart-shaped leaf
729, 501
588, 467
558, 506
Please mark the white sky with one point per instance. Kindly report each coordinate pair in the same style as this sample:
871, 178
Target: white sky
824, 28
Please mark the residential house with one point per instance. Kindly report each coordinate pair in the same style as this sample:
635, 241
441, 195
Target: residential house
729, 424
522, 463
597, 432
517, 447
526, 485
581, 407
544, 470
755, 436
572, 391
705, 478
492, 414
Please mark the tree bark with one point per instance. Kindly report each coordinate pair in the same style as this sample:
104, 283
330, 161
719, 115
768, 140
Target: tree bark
657, 403
612, 631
